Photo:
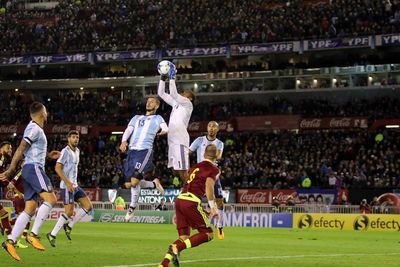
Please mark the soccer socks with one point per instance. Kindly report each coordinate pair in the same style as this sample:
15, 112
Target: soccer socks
78, 216
22, 220
192, 242
5, 222
220, 218
147, 184
41, 216
61, 221
135, 192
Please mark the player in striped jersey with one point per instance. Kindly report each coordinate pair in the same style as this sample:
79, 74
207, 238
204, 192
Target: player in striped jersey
141, 132
67, 170
199, 146
36, 184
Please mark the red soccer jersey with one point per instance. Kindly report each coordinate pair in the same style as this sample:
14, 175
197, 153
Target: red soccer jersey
4, 162
198, 175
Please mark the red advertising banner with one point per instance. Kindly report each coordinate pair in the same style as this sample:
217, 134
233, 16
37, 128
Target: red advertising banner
259, 196
382, 123
333, 123
265, 123
49, 129
94, 194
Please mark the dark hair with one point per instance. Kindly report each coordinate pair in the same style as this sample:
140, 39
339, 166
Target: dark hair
73, 132
4, 143
35, 107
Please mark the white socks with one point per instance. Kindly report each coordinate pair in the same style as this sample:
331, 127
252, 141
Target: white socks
146, 184
41, 216
19, 226
220, 218
78, 216
61, 221
135, 192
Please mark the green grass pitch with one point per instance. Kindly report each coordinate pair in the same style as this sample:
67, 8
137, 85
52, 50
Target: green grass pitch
113, 244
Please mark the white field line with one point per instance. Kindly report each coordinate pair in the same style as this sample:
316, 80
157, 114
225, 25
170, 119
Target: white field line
279, 257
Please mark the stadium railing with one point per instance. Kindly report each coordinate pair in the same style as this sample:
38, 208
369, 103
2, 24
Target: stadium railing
253, 208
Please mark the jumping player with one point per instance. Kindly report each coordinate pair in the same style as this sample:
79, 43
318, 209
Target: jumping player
189, 213
178, 136
67, 170
199, 145
36, 183
141, 132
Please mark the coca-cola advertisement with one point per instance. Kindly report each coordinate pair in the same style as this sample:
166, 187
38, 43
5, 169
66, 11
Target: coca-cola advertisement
259, 196
94, 194
49, 129
333, 123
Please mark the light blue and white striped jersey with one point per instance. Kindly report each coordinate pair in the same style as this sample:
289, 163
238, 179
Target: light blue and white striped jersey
146, 128
199, 145
37, 151
70, 161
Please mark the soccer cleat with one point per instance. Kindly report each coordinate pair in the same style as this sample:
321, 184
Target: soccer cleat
52, 239
173, 250
159, 187
19, 244
129, 214
67, 230
34, 240
9, 247
220, 233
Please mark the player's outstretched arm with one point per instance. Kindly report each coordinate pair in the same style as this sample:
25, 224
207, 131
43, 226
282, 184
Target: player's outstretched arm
174, 93
127, 133
15, 160
164, 96
210, 182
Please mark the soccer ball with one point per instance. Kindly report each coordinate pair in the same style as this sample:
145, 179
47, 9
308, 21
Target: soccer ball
164, 67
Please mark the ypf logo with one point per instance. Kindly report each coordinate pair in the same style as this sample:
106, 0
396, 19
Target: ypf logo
305, 221
361, 223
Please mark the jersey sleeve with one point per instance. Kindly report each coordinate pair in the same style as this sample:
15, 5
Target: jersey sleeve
163, 125
214, 173
63, 157
195, 145
31, 134
220, 146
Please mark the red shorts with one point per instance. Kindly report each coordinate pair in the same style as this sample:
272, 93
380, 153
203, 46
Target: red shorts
190, 214
19, 204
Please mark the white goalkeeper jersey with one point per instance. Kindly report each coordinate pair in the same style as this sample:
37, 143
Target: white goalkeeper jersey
182, 109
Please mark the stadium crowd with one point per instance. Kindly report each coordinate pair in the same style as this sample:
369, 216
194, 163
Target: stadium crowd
334, 159
125, 25
106, 107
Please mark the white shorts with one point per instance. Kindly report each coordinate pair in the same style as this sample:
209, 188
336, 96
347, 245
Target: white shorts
178, 157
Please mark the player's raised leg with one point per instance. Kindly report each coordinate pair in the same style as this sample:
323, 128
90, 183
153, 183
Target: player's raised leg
68, 201
85, 208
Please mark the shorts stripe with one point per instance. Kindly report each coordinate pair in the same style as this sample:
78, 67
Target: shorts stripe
183, 158
146, 159
66, 196
40, 178
203, 214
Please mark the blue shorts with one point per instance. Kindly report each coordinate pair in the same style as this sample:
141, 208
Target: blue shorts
36, 181
218, 189
69, 197
138, 163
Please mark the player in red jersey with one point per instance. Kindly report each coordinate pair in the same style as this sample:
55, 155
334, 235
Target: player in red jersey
189, 213
5, 159
17, 188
